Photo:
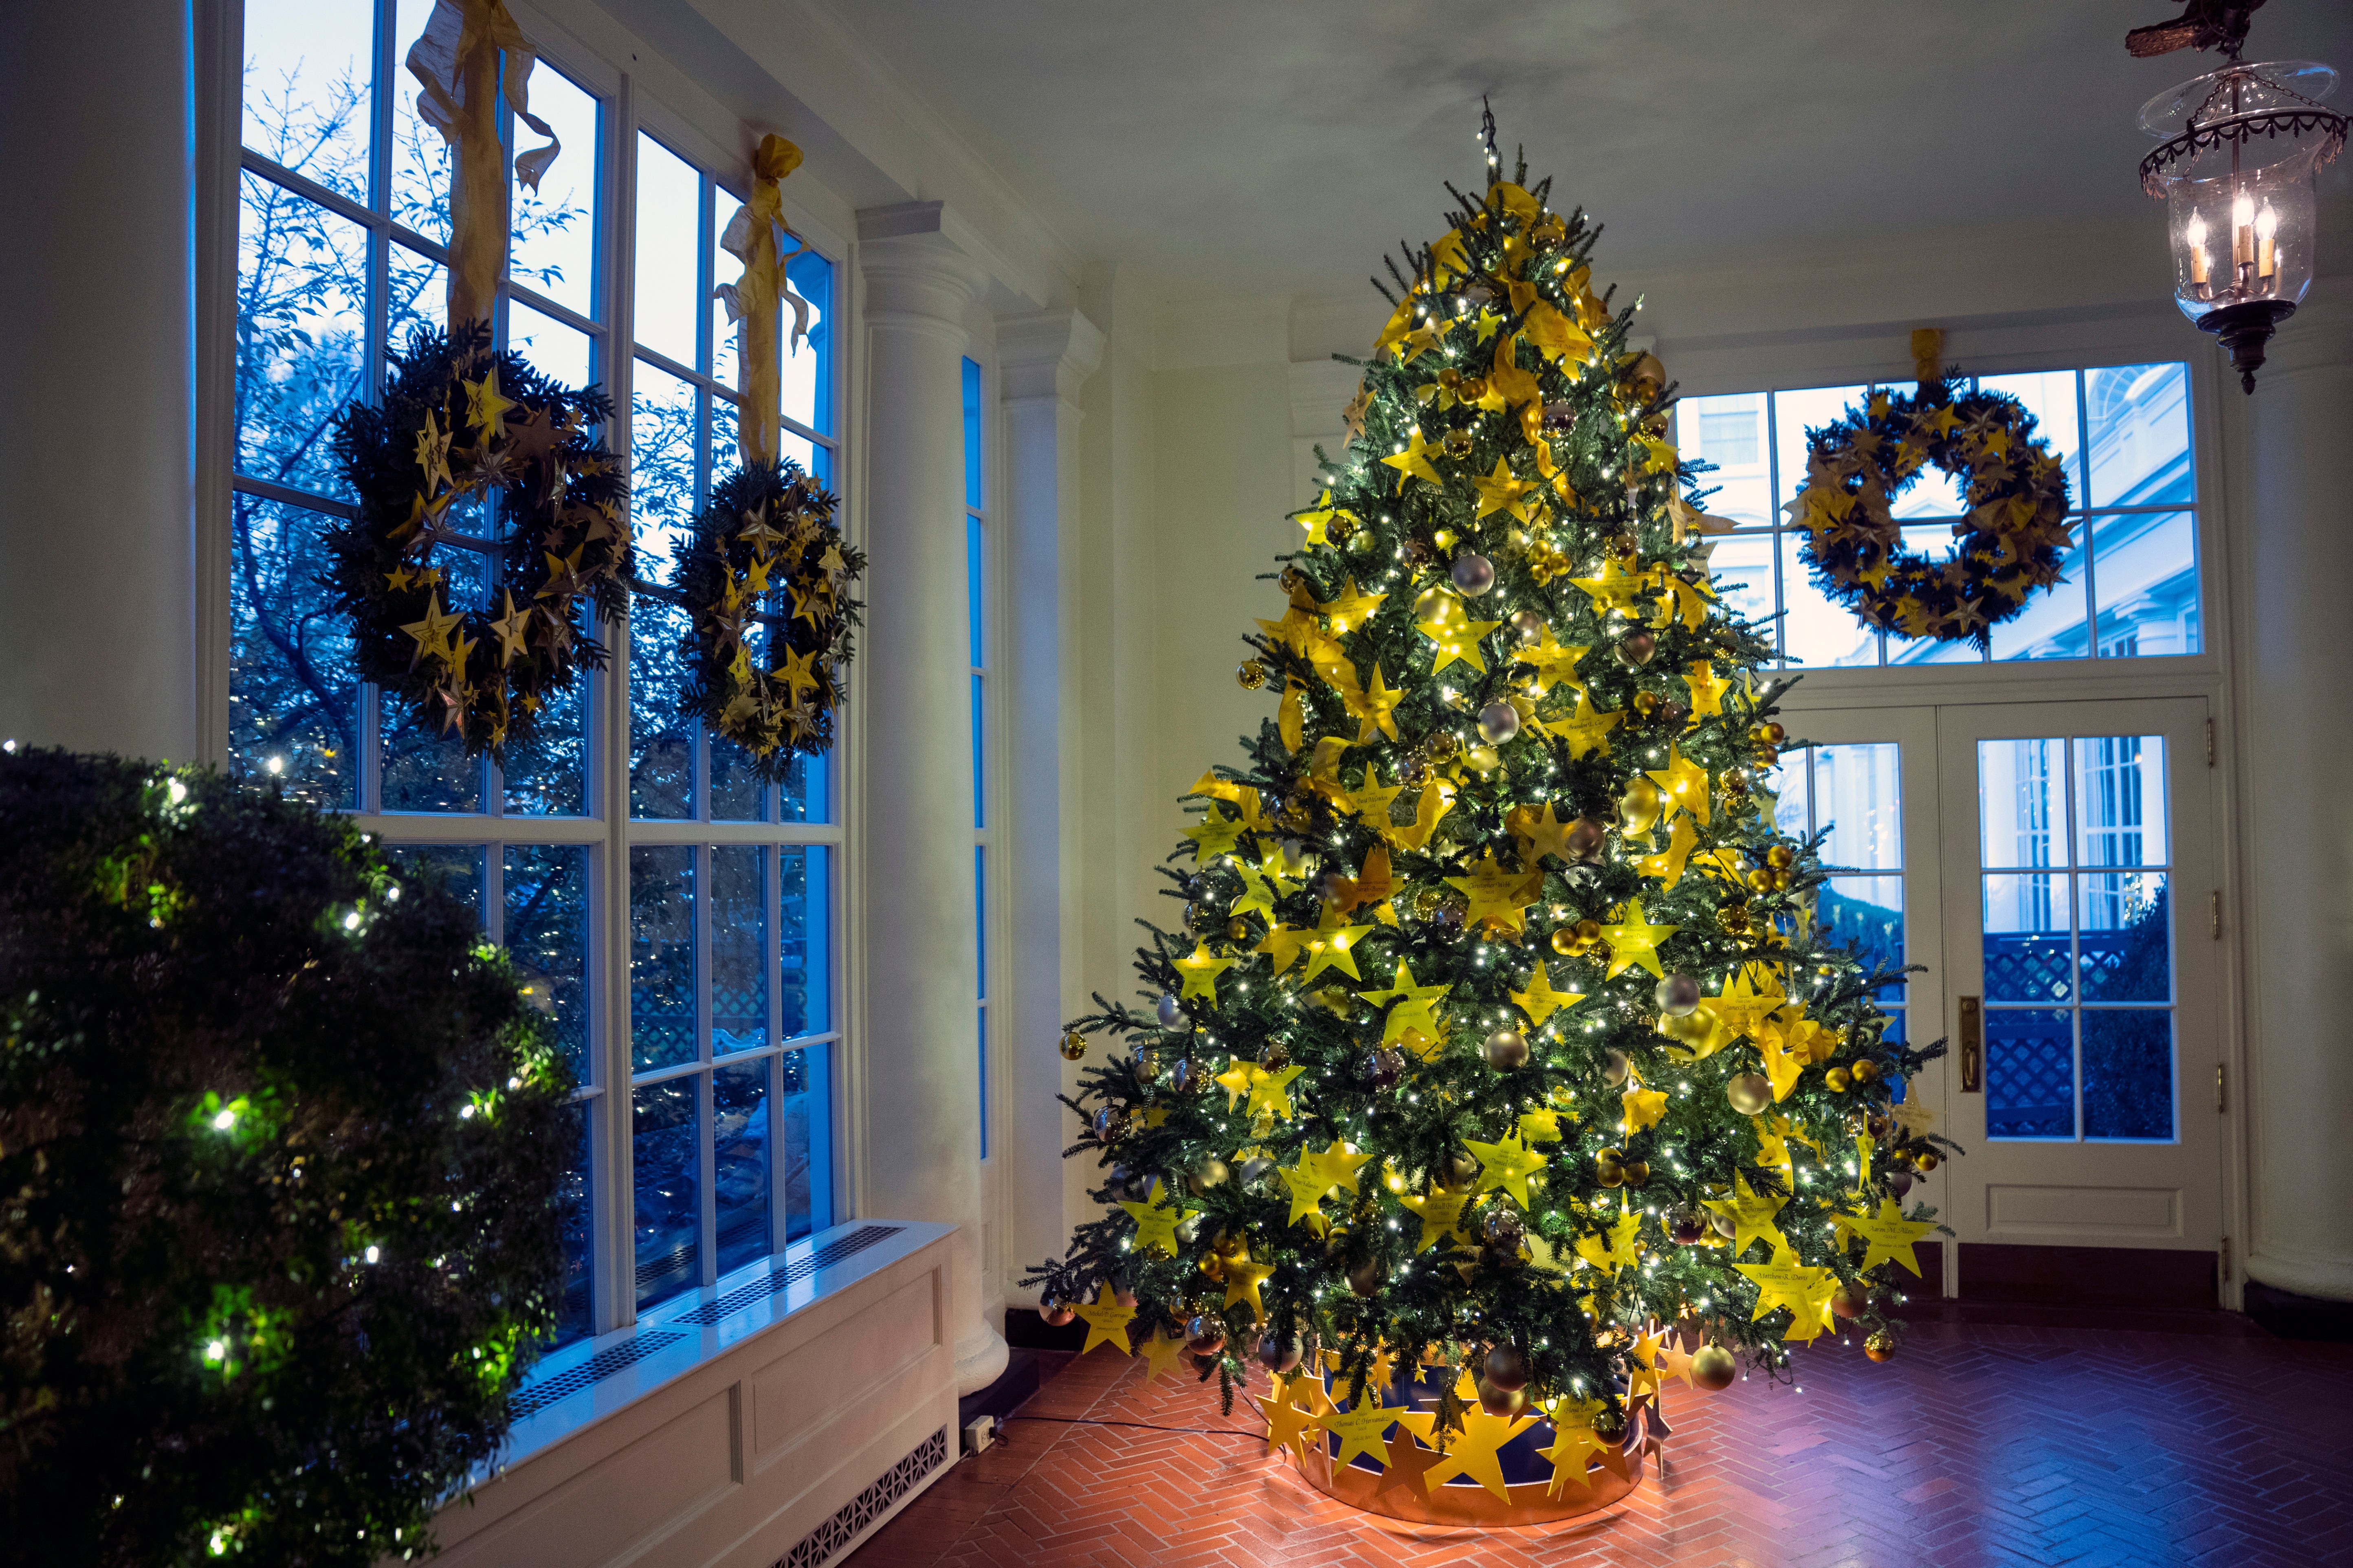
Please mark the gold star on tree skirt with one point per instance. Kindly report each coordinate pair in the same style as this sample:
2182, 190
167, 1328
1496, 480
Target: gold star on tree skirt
1473, 1451
1288, 1421
1107, 1322
1887, 1236
1409, 1463
1361, 1428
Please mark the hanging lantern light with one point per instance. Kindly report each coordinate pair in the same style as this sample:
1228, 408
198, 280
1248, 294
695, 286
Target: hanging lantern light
2241, 146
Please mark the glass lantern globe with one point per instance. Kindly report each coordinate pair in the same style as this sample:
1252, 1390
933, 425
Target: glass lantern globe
2241, 146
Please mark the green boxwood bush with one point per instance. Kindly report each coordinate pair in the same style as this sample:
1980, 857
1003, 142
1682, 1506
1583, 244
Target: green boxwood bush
279, 1156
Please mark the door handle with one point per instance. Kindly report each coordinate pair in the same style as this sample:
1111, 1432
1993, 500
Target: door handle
1972, 1046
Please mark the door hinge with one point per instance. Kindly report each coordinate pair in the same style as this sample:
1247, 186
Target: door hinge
2225, 1261
2210, 742
2214, 915
2221, 1097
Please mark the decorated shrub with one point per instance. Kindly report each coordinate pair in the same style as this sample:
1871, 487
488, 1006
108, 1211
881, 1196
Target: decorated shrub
280, 1154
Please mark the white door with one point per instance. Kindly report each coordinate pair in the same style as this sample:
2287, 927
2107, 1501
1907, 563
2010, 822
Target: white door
2083, 982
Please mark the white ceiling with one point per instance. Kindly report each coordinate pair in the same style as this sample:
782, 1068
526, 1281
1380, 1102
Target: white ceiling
1279, 146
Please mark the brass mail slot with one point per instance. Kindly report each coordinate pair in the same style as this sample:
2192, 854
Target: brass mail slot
1972, 1046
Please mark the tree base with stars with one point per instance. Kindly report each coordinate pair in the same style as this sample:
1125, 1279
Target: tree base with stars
1497, 1038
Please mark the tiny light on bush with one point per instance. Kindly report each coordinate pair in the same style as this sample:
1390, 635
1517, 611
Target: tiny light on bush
225, 1121
2240, 148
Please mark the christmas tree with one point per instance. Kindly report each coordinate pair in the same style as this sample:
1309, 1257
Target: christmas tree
1497, 1037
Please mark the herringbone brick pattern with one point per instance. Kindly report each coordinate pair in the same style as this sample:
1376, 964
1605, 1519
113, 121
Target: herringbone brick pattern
1978, 1445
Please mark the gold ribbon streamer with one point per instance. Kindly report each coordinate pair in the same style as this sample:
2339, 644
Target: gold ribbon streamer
757, 234
456, 64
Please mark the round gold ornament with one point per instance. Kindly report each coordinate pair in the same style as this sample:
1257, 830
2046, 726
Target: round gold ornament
1250, 675
1926, 1162
1750, 1093
1879, 1345
1714, 1368
1074, 1046
1238, 930
1837, 1081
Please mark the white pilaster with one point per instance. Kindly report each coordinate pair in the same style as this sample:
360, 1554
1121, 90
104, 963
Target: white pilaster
2297, 513
919, 1149
1042, 360
97, 378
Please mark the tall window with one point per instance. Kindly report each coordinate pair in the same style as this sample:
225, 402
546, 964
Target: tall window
729, 917
2131, 586
1853, 794
975, 538
731, 1021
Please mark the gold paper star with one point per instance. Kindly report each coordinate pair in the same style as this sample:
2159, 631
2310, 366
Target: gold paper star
1506, 1163
1409, 1463
1320, 517
1616, 1247
1501, 491
1474, 1450
1375, 706
1573, 1443
1283, 944
1361, 1428
1887, 1236
1555, 663
1413, 463
1707, 690
485, 409
1200, 973
432, 633
1413, 1009
1636, 942
1255, 894
1338, 1163
1237, 1079
1456, 635
1214, 836
1786, 1282
1271, 1093
1667, 864
1752, 1216
1288, 1421
1587, 730
1107, 1322
1540, 1000
1156, 1224
1614, 588
1352, 609
1684, 781
1329, 945
510, 629
433, 453
1498, 897
1308, 1184
1244, 1279
1441, 1216
1160, 1353
1370, 801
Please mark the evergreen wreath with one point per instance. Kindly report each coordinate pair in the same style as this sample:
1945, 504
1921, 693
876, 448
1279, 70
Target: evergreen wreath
2010, 543
768, 535
470, 444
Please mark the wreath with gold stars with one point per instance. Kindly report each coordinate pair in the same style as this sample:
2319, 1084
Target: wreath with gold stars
2010, 543
489, 517
767, 557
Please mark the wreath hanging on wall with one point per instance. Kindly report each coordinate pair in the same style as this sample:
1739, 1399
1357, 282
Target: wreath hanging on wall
474, 457
2010, 543
768, 536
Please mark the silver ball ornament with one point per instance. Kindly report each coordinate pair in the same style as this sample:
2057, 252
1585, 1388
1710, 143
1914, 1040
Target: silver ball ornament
1677, 995
1615, 1067
1499, 721
1170, 1011
1473, 574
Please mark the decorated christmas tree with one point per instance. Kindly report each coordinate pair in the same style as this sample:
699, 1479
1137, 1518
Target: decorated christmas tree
1497, 1062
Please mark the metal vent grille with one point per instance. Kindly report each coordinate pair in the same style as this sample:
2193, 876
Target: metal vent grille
785, 1273
820, 1544
589, 1372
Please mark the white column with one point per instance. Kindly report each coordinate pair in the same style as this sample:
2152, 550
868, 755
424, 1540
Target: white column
2298, 769
1042, 360
919, 1148
96, 375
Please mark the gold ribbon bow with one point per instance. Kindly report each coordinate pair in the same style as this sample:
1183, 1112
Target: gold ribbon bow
757, 234
456, 64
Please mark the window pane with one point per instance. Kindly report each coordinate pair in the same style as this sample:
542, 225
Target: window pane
548, 776
576, 1313
420, 295
2128, 1073
1817, 632
2050, 397
975, 543
736, 793
663, 494
2057, 621
739, 947
1787, 780
1867, 914
2028, 937
420, 159
2120, 800
1793, 412
2022, 803
554, 249
302, 337
981, 1036
2141, 434
308, 66
979, 766
1728, 432
809, 366
2030, 1073
668, 1158
2126, 938
2147, 569
425, 766
1742, 567
740, 1166
804, 941
556, 351
972, 483
547, 938
1857, 802
806, 1177
1932, 493
727, 343
669, 276
293, 696
661, 956
726, 455
812, 459
980, 912
455, 868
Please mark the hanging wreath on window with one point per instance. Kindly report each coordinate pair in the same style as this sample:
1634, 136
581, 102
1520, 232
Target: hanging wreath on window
473, 457
767, 537
2008, 545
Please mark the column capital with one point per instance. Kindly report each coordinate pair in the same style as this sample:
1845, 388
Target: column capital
915, 270
1048, 353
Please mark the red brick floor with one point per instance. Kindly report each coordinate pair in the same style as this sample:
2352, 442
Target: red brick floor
1978, 1445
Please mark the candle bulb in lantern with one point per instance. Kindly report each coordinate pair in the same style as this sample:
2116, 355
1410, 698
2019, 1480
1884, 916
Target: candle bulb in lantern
2199, 266
2266, 255
2242, 236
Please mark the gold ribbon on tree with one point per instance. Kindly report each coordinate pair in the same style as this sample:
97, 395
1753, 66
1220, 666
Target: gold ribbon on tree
757, 234
455, 63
